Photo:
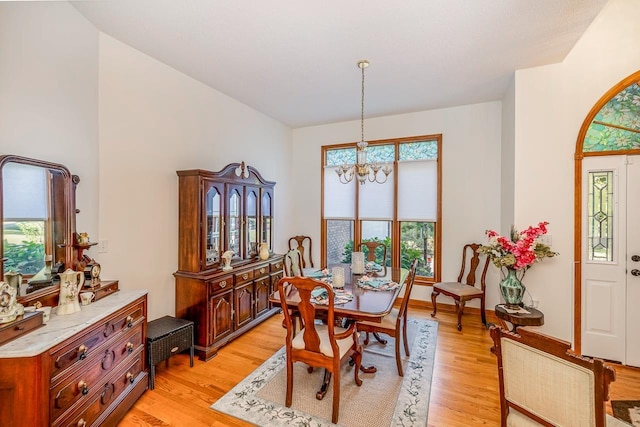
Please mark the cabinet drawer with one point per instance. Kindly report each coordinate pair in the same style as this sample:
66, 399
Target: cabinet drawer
276, 266
109, 391
220, 284
244, 277
261, 272
99, 366
77, 352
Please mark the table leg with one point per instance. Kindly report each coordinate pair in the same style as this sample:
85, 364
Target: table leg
325, 385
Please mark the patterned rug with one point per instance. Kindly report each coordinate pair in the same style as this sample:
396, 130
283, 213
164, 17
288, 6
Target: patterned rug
627, 410
384, 399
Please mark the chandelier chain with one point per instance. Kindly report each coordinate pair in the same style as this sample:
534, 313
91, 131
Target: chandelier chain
362, 108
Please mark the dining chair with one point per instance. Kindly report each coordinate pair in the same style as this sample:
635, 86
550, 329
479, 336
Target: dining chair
394, 324
465, 289
303, 244
318, 345
544, 383
292, 263
372, 251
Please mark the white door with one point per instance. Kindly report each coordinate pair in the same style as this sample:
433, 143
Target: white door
611, 235
633, 261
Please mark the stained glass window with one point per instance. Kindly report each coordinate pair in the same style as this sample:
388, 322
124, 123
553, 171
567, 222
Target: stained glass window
600, 222
617, 125
423, 150
341, 156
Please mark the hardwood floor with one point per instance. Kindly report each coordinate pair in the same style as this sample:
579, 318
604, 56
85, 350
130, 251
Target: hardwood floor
464, 389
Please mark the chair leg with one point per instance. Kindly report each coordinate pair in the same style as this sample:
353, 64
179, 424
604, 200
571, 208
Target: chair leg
482, 313
398, 357
366, 338
460, 310
336, 397
434, 295
289, 383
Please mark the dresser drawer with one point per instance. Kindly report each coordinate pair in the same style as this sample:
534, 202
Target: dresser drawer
244, 277
220, 284
261, 272
77, 352
82, 384
109, 391
276, 266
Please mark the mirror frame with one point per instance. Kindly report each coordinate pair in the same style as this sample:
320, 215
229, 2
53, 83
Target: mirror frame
48, 295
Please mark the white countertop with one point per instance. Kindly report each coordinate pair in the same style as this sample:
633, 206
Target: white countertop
59, 328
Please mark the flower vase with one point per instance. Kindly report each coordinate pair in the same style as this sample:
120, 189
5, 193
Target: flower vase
512, 289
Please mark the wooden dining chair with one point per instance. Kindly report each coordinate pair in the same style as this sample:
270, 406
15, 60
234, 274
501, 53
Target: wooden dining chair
395, 324
303, 244
292, 263
318, 345
371, 251
543, 383
465, 289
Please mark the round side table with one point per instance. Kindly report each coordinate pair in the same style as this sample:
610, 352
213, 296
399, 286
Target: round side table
534, 318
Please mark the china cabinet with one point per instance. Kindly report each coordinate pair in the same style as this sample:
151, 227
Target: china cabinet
228, 210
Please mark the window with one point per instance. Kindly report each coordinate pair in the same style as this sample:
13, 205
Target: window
403, 212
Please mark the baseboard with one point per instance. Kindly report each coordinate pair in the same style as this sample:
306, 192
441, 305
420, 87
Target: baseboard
450, 308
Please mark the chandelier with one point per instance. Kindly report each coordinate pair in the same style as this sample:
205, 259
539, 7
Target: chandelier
362, 170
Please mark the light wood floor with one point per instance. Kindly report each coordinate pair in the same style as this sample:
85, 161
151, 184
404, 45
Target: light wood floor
464, 390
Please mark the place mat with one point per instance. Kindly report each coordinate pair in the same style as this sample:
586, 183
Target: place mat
627, 411
373, 284
372, 267
340, 296
318, 274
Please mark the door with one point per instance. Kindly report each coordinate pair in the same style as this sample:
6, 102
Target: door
611, 198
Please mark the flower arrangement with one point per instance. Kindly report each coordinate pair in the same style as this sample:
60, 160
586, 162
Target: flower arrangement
518, 252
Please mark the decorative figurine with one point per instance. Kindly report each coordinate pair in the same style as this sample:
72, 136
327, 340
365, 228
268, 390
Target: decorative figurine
10, 309
226, 258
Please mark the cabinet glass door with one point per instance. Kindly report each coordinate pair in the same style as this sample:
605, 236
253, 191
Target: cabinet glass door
213, 204
234, 219
251, 209
267, 224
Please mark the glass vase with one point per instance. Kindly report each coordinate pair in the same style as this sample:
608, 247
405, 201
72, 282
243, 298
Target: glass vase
512, 289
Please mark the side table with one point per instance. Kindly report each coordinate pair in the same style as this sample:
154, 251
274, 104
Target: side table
534, 318
167, 336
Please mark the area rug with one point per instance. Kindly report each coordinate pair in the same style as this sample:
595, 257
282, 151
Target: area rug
627, 410
384, 399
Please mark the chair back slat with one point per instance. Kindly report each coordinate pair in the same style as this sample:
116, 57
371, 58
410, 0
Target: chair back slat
404, 305
293, 263
302, 244
371, 251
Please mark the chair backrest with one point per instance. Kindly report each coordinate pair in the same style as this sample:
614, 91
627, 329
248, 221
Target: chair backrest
288, 286
371, 251
470, 261
303, 244
542, 380
404, 305
293, 263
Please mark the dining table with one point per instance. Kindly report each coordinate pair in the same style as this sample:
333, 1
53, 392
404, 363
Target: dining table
370, 305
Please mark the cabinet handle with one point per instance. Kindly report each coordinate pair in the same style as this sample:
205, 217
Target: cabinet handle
223, 284
81, 423
129, 321
83, 387
244, 276
83, 352
129, 347
130, 377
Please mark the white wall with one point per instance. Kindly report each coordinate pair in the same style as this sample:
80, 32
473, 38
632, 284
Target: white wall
49, 95
507, 165
551, 105
471, 156
155, 121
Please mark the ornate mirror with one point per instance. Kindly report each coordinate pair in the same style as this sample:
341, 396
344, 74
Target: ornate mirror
37, 206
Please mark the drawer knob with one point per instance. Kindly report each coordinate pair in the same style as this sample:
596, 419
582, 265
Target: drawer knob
129, 347
82, 352
129, 321
130, 377
83, 387
81, 423
244, 276
223, 283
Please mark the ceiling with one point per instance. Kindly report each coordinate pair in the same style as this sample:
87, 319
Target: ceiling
295, 60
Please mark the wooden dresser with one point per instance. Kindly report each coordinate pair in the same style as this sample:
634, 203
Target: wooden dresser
226, 212
82, 369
